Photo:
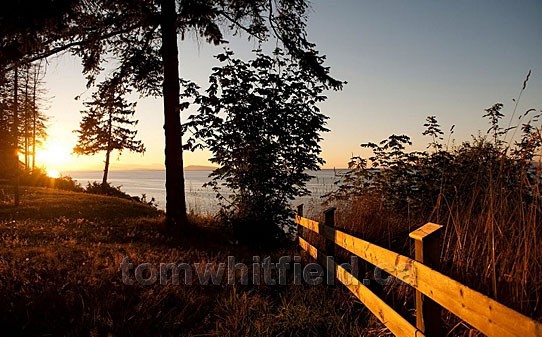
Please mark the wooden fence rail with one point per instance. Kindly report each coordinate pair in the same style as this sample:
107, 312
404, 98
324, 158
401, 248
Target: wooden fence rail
433, 289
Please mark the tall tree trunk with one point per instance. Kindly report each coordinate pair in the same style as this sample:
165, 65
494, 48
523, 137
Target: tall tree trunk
106, 168
175, 197
26, 119
16, 133
34, 117
107, 150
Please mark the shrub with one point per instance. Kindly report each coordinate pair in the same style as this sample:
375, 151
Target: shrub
486, 192
115, 191
39, 178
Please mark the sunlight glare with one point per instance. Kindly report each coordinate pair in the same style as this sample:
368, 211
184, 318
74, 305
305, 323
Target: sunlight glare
53, 173
52, 155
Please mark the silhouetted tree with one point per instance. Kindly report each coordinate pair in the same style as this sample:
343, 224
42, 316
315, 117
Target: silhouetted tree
142, 35
30, 117
261, 122
7, 141
33, 128
16, 133
107, 125
38, 118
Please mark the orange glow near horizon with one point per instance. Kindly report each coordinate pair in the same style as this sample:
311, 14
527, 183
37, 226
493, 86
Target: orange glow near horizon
56, 157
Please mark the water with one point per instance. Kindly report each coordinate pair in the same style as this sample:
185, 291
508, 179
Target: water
199, 199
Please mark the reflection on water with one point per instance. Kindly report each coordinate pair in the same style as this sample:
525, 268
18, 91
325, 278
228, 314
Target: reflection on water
199, 199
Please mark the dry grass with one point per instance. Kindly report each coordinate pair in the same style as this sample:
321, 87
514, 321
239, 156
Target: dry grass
492, 243
498, 250
60, 275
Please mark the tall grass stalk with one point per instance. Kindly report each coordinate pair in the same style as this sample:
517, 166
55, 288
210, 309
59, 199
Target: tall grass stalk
486, 192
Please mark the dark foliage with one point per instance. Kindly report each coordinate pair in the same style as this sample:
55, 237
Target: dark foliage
417, 181
115, 191
261, 122
29, 125
107, 124
141, 36
39, 178
486, 192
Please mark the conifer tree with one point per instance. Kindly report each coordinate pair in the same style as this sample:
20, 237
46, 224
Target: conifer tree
107, 124
31, 126
141, 38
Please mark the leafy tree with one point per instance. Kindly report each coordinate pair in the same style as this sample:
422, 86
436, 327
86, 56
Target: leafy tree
107, 125
261, 122
142, 36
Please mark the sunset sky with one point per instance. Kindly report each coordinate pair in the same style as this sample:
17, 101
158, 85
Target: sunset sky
402, 60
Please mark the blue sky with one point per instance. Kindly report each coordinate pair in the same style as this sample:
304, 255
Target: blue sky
403, 61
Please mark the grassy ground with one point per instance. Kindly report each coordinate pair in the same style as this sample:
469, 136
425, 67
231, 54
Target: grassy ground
60, 275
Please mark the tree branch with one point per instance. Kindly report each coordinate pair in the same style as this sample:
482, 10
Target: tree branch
67, 46
240, 26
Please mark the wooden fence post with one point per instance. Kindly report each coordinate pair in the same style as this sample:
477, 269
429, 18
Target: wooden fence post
329, 216
300, 210
299, 227
329, 250
427, 246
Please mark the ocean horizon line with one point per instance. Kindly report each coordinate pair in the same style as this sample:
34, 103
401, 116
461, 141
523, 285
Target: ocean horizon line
163, 169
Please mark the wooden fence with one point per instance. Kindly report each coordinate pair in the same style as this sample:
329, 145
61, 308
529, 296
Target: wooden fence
434, 290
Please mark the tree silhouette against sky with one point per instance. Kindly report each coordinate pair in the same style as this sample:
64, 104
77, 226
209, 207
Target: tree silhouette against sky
107, 125
141, 36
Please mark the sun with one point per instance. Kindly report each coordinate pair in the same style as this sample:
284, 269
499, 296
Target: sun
53, 173
52, 156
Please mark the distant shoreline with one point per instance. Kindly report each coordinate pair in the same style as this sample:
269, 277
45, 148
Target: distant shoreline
199, 168
187, 168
